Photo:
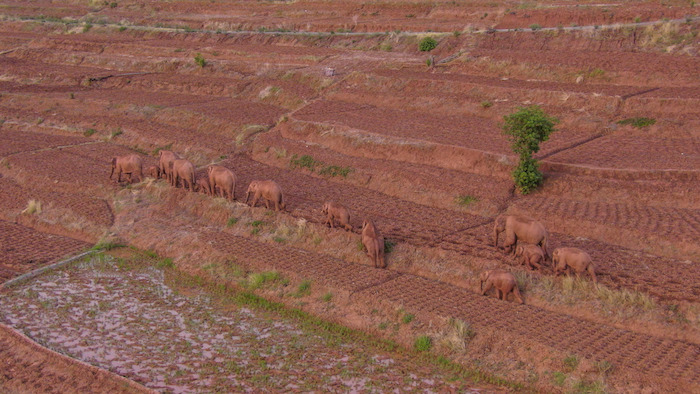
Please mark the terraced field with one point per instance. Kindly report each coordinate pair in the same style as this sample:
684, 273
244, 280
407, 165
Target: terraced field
418, 149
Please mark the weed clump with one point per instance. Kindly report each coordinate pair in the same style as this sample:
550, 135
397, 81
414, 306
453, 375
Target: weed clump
199, 60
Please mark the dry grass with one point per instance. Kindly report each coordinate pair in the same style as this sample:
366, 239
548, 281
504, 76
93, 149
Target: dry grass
455, 336
33, 207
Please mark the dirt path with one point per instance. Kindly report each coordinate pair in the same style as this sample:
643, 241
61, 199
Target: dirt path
122, 317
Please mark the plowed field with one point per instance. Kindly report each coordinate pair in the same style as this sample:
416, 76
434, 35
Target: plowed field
288, 90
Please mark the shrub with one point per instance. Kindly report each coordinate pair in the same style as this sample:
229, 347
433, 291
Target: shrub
423, 343
87, 27
304, 288
535, 27
388, 246
427, 44
526, 129
407, 318
486, 104
304, 161
199, 59
89, 132
231, 221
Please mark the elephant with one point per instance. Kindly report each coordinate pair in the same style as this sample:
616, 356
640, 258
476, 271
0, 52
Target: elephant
225, 179
530, 255
129, 164
521, 228
336, 212
574, 258
203, 186
374, 243
165, 158
269, 190
153, 172
182, 169
503, 281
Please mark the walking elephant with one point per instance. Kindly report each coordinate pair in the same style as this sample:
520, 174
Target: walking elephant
520, 228
224, 179
374, 243
503, 281
270, 191
165, 158
574, 258
182, 169
337, 212
129, 164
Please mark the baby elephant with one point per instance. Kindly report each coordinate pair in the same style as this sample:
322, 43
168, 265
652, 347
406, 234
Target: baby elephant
203, 186
530, 255
270, 191
153, 172
336, 212
503, 281
374, 242
574, 258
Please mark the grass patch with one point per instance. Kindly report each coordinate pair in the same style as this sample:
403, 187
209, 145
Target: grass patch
107, 245
558, 378
571, 362
466, 200
327, 297
89, 132
231, 221
304, 161
407, 318
165, 263
257, 280
637, 122
313, 165
333, 171
304, 288
423, 343
486, 104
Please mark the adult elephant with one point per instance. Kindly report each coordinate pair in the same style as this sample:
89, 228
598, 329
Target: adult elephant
224, 179
165, 158
270, 192
182, 170
129, 164
520, 228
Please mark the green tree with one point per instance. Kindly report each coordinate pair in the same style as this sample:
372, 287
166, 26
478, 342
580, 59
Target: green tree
526, 129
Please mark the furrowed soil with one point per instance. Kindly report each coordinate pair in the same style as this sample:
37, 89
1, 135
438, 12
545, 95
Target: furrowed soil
338, 103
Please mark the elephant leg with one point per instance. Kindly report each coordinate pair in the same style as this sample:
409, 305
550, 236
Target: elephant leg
487, 288
119, 176
591, 271
499, 293
267, 203
516, 294
277, 205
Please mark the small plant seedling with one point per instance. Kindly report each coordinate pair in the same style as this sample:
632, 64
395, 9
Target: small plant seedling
304, 288
423, 343
486, 104
231, 221
327, 297
407, 318
89, 132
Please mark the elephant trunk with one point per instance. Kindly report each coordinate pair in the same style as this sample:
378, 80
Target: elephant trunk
247, 196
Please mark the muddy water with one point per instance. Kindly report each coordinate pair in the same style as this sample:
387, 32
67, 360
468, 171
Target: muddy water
128, 321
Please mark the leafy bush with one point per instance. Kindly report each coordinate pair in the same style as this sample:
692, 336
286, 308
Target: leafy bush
427, 44
526, 129
423, 343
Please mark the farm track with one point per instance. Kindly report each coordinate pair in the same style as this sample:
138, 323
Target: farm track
28, 367
636, 351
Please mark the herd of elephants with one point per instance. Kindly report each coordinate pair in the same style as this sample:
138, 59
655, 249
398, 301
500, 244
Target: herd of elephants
531, 251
